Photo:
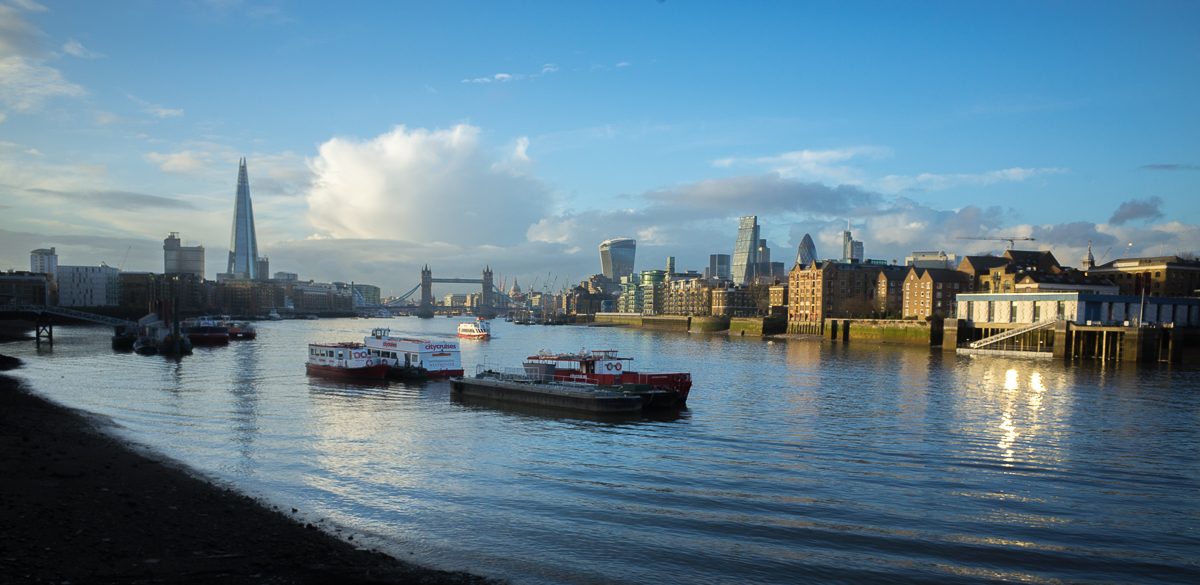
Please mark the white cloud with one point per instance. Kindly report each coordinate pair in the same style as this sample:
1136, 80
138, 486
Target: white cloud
3, 117
521, 150
547, 69
29, 5
623, 64
155, 110
26, 84
813, 165
76, 48
423, 186
933, 181
187, 161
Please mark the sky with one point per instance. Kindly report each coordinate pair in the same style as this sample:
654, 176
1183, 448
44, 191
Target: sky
383, 136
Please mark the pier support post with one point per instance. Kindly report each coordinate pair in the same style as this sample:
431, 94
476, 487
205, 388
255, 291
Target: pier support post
43, 327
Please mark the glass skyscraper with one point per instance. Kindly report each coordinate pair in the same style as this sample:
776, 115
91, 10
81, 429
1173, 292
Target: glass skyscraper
243, 245
616, 257
807, 252
745, 250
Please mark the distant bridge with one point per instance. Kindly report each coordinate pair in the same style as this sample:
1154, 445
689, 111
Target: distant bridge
426, 307
44, 327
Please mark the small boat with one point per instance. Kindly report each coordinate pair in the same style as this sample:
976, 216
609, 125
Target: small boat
344, 360
477, 329
410, 357
274, 316
241, 330
206, 331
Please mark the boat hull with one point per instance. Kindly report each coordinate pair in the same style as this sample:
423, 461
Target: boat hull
547, 396
474, 335
374, 372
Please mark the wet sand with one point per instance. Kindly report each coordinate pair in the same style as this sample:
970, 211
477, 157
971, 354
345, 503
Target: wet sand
78, 506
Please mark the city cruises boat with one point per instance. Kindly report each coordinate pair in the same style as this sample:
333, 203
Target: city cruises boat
438, 359
604, 367
477, 329
206, 331
241, 330
344, 360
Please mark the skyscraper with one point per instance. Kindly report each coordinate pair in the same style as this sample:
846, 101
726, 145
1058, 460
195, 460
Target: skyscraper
180, 259
745, 250
616, 257
718, 267
243, 245
807, 252
852, 249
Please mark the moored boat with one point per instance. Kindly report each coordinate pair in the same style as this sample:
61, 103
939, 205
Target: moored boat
409, 357
344, 360
519, 387
206, 331
241, 330
477, 329
604, 367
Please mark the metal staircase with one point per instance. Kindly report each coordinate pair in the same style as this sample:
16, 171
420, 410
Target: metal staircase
986, 341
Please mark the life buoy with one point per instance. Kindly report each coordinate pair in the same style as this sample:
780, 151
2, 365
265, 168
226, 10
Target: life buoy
617, 366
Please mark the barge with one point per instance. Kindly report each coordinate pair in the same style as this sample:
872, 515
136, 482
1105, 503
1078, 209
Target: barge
516, 387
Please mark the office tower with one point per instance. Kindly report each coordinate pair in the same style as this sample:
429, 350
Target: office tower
670, 265
807, 252
745, 249
180, 259
718, 267
616, 257
243, 245
44, 261
856, 251
852, 249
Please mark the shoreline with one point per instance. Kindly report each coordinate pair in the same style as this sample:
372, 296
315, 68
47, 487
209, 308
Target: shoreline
78, 505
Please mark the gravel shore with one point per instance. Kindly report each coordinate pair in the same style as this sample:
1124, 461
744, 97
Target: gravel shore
77, 506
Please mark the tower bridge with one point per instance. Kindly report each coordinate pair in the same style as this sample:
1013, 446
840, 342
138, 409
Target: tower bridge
426, 307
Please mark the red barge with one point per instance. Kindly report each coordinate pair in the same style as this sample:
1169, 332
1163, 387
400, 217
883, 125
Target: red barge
603, 367
344, 360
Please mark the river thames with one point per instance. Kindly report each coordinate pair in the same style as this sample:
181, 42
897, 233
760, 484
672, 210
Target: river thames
794, 461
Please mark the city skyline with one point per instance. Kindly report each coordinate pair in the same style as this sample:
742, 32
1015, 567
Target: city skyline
376, 153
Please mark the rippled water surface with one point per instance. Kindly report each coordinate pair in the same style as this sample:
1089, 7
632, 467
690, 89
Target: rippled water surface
795, 462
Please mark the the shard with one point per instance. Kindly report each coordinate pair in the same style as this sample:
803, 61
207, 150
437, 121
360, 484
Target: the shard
243, 245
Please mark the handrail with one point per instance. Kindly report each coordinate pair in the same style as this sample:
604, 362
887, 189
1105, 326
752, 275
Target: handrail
65, 312
1011, 333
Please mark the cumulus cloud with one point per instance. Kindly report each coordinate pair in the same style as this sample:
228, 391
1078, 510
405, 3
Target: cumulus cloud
1135, 209
421, 185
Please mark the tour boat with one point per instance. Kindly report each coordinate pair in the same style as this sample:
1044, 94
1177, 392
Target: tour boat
344, 360
477, 329
603, 367
206, 331
408, 357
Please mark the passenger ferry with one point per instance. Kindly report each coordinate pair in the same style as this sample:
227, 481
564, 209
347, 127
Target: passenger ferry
440, 359
344, 360
477, 329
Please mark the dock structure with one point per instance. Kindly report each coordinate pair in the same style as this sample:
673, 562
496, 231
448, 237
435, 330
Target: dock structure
1076, 326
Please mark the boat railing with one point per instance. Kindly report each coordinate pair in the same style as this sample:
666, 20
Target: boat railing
525, 376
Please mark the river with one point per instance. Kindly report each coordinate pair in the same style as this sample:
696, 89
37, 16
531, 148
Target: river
794, 461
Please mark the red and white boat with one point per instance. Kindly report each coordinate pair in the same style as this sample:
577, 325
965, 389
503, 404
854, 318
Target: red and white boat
603, 367
440, 359
344, 360
477, 329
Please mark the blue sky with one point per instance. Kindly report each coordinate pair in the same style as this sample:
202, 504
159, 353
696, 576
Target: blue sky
383, 136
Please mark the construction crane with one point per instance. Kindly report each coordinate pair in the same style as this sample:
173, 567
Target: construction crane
1011, 240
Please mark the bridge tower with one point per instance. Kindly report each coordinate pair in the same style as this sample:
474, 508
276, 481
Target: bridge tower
426, 308
487, 302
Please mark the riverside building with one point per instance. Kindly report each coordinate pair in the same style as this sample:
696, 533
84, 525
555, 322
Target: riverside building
180, 259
